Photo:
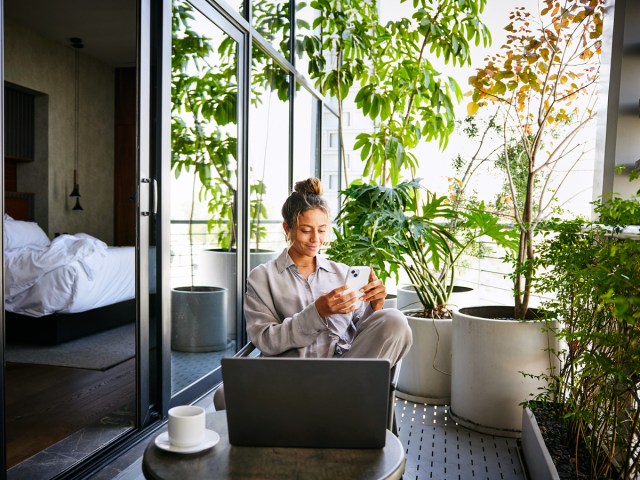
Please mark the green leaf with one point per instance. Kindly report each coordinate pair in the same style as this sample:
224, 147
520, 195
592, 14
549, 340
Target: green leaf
498, 88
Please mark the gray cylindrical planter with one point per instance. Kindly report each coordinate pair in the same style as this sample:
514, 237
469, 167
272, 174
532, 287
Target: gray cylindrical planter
407, 298
218, 267
391, 301
199, 319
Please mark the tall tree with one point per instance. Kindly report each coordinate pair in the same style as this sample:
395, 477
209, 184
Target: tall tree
543, 81
391, 68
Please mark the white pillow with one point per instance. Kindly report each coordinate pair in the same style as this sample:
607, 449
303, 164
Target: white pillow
19, 234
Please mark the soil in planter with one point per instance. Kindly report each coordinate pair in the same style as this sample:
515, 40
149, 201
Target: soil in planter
560, 444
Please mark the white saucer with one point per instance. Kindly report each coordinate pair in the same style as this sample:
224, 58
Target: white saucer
210, 439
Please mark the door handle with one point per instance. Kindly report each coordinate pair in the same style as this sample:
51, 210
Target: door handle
148, 197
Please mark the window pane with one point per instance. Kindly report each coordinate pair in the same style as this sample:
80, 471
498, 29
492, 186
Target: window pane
330, 158
305, 16
237, 5
305, 139
271, 20
203, 194
268, 152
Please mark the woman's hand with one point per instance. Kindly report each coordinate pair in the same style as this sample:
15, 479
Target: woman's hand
335, 302
374, 292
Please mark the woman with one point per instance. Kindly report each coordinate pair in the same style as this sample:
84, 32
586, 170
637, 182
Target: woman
296, 306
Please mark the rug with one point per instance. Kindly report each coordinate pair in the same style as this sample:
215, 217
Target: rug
101, 351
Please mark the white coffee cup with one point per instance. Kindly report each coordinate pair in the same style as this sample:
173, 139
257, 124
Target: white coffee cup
186, 426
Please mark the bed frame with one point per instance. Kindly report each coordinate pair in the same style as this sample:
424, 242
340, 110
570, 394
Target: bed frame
59, 327
62, 327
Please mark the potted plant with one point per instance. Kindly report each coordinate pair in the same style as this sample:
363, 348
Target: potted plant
204, 145
591, 271
542, 87
387, 67
217, 266
201, 142
407, 228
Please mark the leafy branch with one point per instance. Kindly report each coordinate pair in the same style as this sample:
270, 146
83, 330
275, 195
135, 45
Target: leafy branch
542, 81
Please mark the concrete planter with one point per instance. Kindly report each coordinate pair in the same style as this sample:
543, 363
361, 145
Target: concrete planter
391, 301
217, 267
199, 319
537, 459
491, 355
407, 298
425, 376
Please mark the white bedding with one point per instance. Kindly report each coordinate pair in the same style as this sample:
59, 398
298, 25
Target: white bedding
73, 274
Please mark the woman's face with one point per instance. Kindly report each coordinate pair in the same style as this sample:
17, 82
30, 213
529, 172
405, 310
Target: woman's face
311, 232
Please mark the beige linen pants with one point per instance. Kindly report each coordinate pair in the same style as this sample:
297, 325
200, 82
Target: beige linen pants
384, 334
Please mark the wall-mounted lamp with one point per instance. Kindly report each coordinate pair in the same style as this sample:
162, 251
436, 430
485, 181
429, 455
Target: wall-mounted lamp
77, 44
76, 191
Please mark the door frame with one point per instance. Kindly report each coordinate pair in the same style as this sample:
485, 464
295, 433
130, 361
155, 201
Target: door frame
236, 27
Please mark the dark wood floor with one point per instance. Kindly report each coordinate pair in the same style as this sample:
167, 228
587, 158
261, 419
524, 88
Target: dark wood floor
45, 404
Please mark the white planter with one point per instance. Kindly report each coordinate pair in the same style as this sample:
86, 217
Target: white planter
425, 376
218, 268
407, 298
489, 357
462, 297
391, 301
536, 455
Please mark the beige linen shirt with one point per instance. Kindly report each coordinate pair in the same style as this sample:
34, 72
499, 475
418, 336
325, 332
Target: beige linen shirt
281, 315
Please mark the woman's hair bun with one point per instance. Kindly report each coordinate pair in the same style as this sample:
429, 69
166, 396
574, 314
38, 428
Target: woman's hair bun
306, 195
310, 185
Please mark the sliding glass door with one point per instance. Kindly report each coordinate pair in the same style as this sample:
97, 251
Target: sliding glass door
206, 194
126, 148
76, 130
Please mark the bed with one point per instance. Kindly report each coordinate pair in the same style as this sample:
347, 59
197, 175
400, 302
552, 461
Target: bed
64, 289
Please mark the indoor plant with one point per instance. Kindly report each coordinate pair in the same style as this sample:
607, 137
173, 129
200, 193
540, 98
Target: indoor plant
204, 146
387, 67
541, 86
408, 228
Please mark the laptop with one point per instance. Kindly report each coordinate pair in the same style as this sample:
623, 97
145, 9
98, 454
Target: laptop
303, 402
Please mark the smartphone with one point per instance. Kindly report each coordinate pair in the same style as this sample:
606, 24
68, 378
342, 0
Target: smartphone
357, 277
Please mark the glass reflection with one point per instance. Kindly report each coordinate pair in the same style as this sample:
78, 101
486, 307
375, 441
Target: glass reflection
268, 155
203, 228
306, 138
331, 165
270, 18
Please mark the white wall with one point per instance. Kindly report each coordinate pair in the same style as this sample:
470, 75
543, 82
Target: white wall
47, 67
